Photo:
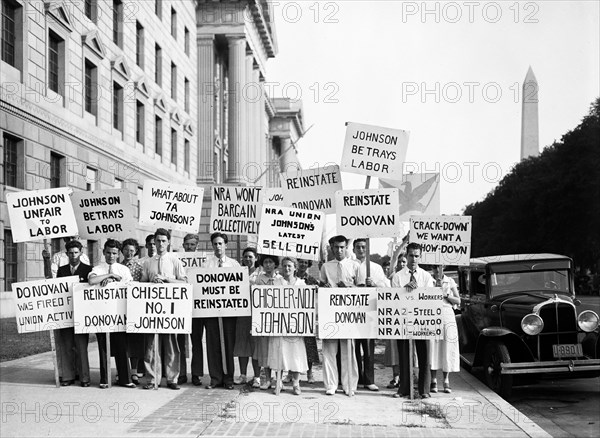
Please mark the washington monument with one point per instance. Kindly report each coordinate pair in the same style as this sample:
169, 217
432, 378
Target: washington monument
530, 139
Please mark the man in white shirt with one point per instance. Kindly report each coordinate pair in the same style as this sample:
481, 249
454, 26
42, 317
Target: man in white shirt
410, 278
341, 272
61, 258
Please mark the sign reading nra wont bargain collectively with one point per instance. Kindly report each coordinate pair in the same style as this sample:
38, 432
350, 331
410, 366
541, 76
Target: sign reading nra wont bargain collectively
103, 213
367, 213
235, 210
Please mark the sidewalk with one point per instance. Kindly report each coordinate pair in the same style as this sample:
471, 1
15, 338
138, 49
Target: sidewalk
32, 406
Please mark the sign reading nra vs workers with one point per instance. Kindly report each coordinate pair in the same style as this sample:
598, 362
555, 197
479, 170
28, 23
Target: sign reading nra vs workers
367, 213
375, 151
311, 189
104, 212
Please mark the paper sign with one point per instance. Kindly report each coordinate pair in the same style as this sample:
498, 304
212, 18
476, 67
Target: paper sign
290, 232
444, 240
409, 315
367, 213
100, 309
172, 206
159, 308
311, 189
273, 196
348, 313
283, 310
44, 304
191, 260
235, 210
41, 214
375, 151
220, 292
103, 213
419, 194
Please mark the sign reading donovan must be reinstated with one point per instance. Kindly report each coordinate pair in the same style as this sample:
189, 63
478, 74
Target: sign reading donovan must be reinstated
220, 292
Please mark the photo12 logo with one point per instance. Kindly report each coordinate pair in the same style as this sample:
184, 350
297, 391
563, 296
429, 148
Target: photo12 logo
471, 12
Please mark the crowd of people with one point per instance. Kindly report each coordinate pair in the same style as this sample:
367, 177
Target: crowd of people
346, 362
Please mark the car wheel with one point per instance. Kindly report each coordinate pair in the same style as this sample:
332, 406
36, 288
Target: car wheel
495, 354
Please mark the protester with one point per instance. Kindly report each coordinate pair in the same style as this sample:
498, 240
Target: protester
310, 342
444, 353
391, 358
341, 272
190, 243
61, 258
103, 274
163, 267
150, 249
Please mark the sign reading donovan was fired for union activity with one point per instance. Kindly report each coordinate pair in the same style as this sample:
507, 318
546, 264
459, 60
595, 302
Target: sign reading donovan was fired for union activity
44, 304
311, 189
444, 240
348, 313
373, 150
220, 292
409, 315
159, 307
172, 206
41, 214
283, 310
235, 210
290, 232
100, 309
104, 212
367, 213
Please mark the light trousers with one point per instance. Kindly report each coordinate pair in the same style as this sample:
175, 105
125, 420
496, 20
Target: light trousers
349, 365
153, 362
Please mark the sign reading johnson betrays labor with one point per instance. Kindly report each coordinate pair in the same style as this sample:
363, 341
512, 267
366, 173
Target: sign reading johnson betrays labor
235, 210
172, 206
220, 292
100, 309
444, 240
41, 214
367, 213
290, 232
103, 213
159, 307
311, 189
373, 150
44, 304
348, 313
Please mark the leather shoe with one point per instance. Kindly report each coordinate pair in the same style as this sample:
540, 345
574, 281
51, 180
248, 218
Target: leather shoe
181, 380
196, 381
399, 395
372, 387
85, 384
173, 386
67, 382
228, 386
209, 386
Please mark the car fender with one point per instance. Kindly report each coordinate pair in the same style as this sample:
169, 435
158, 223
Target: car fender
591, 345
518, 350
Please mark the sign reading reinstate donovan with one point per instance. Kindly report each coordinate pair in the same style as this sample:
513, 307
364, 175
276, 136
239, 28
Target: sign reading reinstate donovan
311, 189
220, 292
100, 309
367, 213
348, 313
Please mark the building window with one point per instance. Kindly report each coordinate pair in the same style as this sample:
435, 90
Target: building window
91, 251
158, 64
91, 176
10, 260
117, 107
9, 31
186, 41
53, 62
13, 162
118, 183
174, 147
158, 8
91, 90
186, 96
90, 9
158, 136
173, 23
173, 81
118, 23
186, 155
140, 194
56, 170
139, 44
140, 117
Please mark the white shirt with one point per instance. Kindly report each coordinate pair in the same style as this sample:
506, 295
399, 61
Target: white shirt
170, 265
422, 277
334, 271
117, 268
212, 261
377, 274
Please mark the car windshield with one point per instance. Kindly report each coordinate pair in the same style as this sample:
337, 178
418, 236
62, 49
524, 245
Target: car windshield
546, 277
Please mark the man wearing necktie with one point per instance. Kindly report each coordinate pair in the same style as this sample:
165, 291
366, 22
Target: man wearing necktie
410, 278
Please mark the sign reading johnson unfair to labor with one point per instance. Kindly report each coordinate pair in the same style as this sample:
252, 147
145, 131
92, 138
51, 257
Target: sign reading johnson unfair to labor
348, 313
311, 189
100, 309
367, 213
220, 292
104, 212
159, 307
290, 232
172, 206
409, 315
235, 210
283, 310
375, 151
444, 240
44, 304
41, 214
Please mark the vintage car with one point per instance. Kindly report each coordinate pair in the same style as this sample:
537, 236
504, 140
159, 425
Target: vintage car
519, 319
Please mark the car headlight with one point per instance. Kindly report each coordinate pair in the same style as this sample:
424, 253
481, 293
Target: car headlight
532, 324
587, 320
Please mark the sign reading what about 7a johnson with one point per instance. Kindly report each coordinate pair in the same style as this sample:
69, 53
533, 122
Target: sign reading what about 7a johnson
220, 292
311, 189
103, 213
367, 213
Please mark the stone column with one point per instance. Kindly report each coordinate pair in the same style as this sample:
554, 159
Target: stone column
206, 112
248, 145
237, 107
261, 143
287, 154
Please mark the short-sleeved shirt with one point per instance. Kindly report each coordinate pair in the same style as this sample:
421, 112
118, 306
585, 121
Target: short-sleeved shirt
136, 269
334, 271
117, 268
422, 277
377, 274
170, 266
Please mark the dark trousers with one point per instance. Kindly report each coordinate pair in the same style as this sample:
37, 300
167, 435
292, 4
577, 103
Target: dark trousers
366, 365
118, 348
182, 342
424, 366
197, 350
213, 346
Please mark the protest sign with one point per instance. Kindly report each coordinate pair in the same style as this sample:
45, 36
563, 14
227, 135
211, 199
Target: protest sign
100, 309
444, 240
159, 308
367, 213
220, 292
41, 214
273, 196
375, 151
290, 232
311, 189
409, 315
104, 212
44, 304
348, 313
235, 210
283, 310
419, 194
172, 206
191, 259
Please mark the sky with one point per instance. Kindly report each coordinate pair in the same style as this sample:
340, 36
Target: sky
448, 72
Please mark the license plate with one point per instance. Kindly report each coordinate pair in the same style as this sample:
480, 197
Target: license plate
567, 350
